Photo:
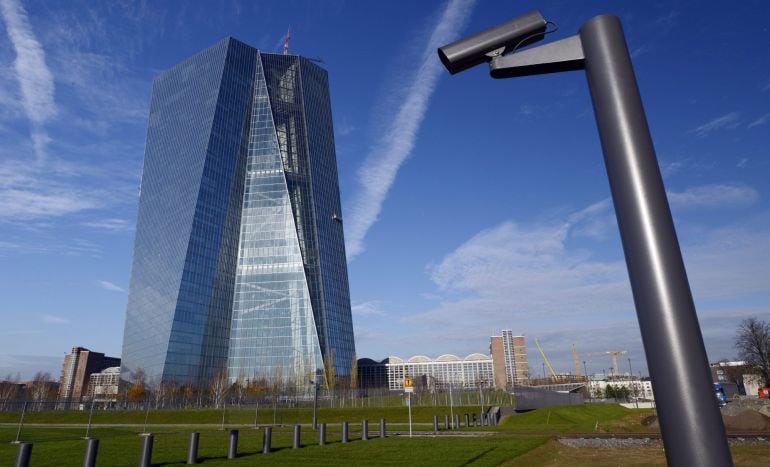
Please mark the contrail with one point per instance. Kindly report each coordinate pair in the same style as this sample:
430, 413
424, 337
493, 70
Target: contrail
379, 170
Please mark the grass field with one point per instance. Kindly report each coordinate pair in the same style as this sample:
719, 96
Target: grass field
519, 440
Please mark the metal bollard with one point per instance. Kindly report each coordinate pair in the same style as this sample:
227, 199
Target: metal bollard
457, 421
146, 459
295, 443
475, 420
467, 421
322, 434
22, 457
446, 422
92, 448
435, 423
344, 432
266, 439
364, 429
232, 449
383, 433
192, 449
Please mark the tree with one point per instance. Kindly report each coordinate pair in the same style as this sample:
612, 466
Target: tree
41, 385
753, 344
218, 388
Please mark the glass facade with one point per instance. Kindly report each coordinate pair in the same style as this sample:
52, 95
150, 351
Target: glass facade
239, 261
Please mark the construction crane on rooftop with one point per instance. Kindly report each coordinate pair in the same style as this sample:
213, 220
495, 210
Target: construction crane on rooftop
545, 359
576, 360
614, 354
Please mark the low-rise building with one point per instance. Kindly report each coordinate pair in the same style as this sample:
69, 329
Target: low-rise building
77, 369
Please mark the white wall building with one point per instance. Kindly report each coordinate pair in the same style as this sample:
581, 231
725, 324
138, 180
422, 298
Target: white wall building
103, 386
638, 388
470, 372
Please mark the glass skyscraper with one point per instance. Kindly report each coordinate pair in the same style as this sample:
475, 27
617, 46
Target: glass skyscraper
239, 259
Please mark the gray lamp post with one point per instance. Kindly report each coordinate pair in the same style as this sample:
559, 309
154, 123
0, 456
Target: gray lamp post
690, 421
315, 403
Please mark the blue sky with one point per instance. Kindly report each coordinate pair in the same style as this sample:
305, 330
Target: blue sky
470, 204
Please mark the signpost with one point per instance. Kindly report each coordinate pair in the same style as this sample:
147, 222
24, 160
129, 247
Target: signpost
409, 389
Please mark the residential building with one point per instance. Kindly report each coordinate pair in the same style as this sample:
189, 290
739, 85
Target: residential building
239, 260
104, 386
77, 369
509, 355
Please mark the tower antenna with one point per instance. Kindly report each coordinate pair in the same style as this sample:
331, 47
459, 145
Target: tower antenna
286, 41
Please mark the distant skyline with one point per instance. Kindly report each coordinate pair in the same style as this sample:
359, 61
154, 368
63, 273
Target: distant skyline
470, 205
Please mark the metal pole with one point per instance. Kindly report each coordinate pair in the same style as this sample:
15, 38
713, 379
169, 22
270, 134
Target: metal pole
23, 455
383, 433
315, 405
146, 458
409, 403
266, 439
467, 421
90, 416
451, 404
21, 423
345, 429
295, 444
322, 434
446, 421
232, 448
435, 423
690, 421
92, 449
192, 449
364, 430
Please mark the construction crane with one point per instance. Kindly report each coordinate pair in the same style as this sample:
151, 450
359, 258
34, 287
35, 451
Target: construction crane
614, 354
545, 359
576, 360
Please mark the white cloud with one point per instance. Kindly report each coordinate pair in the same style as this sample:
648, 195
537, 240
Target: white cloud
53, 319
107, 285
763, 120
729, 120
714, 196
371, 308
379, 170
534, 278
35, 79
114, 225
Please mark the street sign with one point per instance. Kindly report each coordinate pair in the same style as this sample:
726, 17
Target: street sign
408, 384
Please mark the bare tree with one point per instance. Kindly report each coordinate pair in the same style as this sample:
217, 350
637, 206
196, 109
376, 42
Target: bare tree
218, 388
41, 385
239, 387
753, 343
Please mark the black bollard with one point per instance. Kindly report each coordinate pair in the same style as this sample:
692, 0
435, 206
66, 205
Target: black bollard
192, 449
467, 421
266, 439
435, 424
22, 457
364, 430
344, 432
146, 459
383, 433
232, 449
446, 422
322, 434
295, 443
92, 448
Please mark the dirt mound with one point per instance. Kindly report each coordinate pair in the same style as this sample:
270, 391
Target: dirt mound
748, 420
650, 421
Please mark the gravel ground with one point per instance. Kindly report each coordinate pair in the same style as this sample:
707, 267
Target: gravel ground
615, 443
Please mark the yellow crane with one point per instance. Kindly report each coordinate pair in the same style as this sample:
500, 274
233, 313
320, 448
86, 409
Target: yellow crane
545, 359
576, 360
614, 354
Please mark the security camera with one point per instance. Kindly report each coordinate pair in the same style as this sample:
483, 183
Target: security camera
485, 45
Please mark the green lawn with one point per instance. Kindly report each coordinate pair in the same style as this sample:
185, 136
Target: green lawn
121, 445
62, 447
576, 419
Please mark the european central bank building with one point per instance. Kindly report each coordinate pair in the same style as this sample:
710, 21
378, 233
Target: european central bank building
239, 259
